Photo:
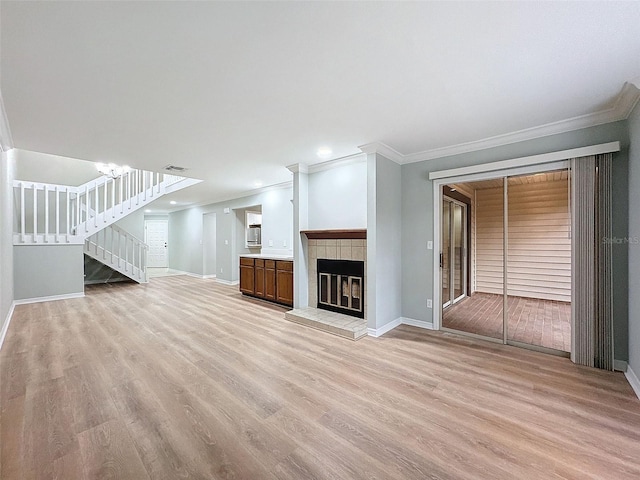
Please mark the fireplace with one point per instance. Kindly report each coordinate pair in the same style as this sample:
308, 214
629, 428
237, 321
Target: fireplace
341, 286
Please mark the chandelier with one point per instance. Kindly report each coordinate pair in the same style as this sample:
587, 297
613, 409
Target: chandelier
112, 170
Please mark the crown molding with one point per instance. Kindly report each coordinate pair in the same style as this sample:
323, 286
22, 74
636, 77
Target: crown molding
384, 150
6, 141
621, 109
298, 168
337, 162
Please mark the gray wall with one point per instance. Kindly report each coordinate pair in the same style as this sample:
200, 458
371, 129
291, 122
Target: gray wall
417, 214
384, 264
186, 230
7, 169
634, 247
338, 197
47, 270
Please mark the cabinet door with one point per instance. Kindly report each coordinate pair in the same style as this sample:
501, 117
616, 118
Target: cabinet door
284, 285
270, 280
247, 279
259, 279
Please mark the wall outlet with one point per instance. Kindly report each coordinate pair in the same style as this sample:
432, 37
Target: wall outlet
227, 210
429, 303
429, 245
284, 243
226, 242
271, 243
220, 269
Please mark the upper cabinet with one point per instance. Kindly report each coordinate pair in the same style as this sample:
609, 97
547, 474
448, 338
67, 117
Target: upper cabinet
253, 229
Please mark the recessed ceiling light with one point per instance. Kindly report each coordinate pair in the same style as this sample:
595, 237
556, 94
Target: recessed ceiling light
147, 210
324, 152
173, 202
257, 184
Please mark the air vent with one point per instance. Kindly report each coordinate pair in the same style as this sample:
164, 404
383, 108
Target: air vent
174, 168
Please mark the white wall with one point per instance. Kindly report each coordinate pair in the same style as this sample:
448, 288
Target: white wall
186, 232
338, 197
7, 171
384, 242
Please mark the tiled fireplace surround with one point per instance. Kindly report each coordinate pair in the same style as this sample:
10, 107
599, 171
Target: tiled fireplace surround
336, 249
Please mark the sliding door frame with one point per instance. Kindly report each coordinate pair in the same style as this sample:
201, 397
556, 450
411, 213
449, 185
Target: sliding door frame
438, 195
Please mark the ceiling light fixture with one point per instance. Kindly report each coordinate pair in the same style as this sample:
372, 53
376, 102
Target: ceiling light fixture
112, 170
324, 152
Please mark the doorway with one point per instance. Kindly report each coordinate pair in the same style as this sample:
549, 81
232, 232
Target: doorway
156, 234
519, 289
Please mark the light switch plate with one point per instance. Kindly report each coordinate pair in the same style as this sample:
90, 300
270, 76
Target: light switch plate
429, 303
271, 243
429, 245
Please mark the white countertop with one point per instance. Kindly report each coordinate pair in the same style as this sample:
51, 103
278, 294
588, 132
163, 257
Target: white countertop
267, 256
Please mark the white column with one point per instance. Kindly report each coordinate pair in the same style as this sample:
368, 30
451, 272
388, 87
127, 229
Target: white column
300, 223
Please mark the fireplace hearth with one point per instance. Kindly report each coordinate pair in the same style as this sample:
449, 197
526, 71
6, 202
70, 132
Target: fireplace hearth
341, 286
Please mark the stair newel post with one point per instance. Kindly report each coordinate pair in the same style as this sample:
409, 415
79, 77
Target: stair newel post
105, 201
57, 214
35, 213
96, 209
46, 213
86, 214
22, 212
121, 194
113, 198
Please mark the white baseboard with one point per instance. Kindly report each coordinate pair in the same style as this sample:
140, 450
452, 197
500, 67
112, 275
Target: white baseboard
620, 365
377, 332
633, 381
417, 323
227, 282
52, 298
209, 276
5, 327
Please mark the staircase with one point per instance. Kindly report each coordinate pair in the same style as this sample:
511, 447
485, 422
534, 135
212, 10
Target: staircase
67, 215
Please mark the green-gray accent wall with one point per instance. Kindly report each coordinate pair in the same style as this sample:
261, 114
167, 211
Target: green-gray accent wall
417, 216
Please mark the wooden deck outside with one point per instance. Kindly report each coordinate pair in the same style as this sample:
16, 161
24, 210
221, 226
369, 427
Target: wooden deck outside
546, 323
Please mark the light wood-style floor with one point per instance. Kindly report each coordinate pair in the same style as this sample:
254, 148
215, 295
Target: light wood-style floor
545, 323
184, 378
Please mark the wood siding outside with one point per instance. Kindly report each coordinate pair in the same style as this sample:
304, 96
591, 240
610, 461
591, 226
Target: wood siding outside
539, 263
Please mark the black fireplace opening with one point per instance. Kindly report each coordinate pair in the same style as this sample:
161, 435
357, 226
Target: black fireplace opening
341, 286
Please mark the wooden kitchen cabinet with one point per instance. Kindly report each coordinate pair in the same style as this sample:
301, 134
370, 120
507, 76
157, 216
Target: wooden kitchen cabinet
284, 282
247, 275
268, 279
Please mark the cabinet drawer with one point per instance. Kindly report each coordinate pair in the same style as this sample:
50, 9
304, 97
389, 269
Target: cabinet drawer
259, 262
246, 261
284, 265
270, 264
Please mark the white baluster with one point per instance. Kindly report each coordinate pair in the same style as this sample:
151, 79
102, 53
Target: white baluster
22, 212
130, 189
105, 201
121, 193
46, 214
35, 213
68, 213
88, 206
57, 214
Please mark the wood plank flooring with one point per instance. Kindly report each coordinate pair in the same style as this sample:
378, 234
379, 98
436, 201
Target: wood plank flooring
185, 378
546, 323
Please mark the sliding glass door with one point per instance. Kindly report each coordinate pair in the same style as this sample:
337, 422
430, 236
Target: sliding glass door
514, 284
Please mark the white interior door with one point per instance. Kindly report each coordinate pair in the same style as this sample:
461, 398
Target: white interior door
156, 234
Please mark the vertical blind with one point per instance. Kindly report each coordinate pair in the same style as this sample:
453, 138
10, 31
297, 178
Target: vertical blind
591, 264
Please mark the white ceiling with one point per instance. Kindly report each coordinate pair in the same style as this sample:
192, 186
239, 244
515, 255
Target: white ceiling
236, 91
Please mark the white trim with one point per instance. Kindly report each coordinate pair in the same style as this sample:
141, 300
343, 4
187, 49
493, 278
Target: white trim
633, 381
377, 332
7, 321
227, 282
620, 365
621, 109
298, 168
206, 277
417, 323
527, 161
337, 163
384, 150
52, 298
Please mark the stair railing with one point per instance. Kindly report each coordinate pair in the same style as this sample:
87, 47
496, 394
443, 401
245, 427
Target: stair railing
51, 213
120, 250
